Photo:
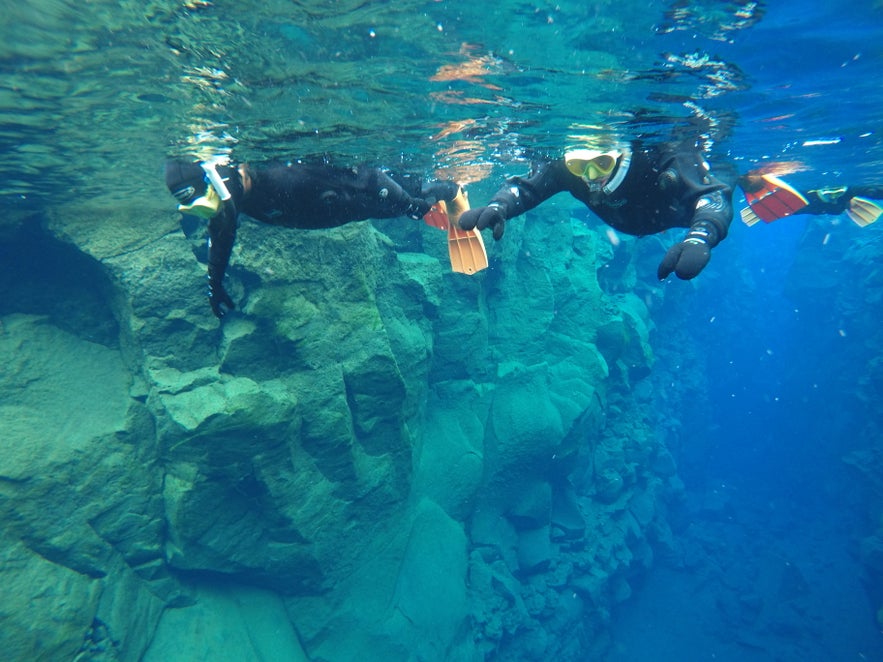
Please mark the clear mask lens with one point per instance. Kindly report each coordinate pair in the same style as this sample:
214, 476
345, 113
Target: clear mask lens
592, 167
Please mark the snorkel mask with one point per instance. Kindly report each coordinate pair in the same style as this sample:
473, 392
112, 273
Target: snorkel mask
590, 164
199, 188
204, 206
602, 171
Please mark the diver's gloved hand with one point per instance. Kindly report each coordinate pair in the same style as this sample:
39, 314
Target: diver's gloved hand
491, 216
688, 257
417, 208
218, 297
435, 191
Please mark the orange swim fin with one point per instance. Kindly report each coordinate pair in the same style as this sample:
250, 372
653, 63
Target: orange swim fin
465, 247
771, 200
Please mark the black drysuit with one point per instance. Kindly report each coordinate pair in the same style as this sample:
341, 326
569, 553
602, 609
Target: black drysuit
300, 195
651, 189
663, 188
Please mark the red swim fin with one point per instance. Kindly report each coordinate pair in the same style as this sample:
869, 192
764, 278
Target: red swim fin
773, 200
437, 217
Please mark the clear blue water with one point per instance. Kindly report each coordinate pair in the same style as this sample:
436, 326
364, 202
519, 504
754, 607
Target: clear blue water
787, 315
788, 371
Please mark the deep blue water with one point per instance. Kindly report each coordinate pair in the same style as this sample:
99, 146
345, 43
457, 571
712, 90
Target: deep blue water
785, 317
768, 491
787, 376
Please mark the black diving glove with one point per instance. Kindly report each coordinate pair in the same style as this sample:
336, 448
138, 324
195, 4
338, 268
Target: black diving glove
218, 297
491, 216
688, 257
435, 191
417, 209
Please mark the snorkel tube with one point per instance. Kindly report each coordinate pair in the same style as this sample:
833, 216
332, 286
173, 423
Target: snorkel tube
211, 174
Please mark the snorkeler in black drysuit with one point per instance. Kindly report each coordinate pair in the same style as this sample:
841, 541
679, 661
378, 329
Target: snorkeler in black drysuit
636, 189
295, 195
769, 199
641, 190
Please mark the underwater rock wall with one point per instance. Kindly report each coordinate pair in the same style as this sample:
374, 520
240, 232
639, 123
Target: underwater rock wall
378, 459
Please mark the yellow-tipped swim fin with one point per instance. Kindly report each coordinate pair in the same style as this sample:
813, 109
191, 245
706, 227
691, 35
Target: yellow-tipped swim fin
749, 218
863, 212
465, 247
772, 199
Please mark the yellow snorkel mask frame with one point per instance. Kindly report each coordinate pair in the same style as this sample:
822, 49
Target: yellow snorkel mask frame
591, 164
206, 206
